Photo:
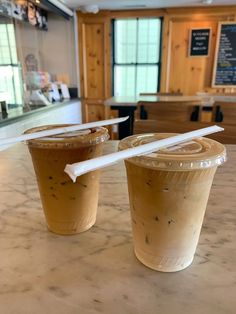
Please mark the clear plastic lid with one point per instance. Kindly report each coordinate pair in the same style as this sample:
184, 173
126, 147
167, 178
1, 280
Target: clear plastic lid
70, 139
196, 154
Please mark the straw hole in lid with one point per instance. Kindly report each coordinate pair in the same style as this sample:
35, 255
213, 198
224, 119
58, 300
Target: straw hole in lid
206, 163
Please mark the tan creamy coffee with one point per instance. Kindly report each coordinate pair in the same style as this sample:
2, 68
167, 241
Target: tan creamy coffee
69, 207
168, 193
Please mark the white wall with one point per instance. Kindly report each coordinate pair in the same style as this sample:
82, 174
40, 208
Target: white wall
54, 49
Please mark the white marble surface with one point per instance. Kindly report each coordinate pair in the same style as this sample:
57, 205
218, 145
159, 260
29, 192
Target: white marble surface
97, 272
133, 100
203, 100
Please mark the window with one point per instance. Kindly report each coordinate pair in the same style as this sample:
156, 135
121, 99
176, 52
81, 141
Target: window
10, 70
136, 56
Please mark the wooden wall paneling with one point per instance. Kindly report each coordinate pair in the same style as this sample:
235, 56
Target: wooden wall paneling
183, 11
178, 73
198, 12
93, 60
190, 74
187, 74
137, 13
80, 51
165, 54
108, 59
94, 52
94, 111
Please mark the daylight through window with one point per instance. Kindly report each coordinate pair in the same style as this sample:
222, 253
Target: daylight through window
136, 56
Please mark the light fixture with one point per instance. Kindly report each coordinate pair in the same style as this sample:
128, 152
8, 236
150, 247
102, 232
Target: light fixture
93, 8
207, 1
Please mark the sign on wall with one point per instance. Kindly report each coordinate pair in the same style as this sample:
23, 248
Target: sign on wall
224, 73
199, 42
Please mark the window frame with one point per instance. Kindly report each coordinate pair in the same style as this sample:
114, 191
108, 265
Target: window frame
13, 65
158, 64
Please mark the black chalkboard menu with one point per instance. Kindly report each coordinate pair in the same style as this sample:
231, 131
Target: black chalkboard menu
224, 73
199, 42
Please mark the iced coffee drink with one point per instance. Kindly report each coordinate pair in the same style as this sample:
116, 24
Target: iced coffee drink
168, 192
69, 207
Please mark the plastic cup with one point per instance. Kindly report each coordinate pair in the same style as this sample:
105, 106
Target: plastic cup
168, 192
69, 207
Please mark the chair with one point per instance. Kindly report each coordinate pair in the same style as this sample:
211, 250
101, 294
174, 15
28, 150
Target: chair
174, 111
162, 94
228, 136
224, 112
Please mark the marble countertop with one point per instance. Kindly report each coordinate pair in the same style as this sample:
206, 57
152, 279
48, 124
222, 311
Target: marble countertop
133, 100
96, 271
203, 100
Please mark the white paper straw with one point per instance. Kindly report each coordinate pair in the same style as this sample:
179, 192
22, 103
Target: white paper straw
77, 169
46, 133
